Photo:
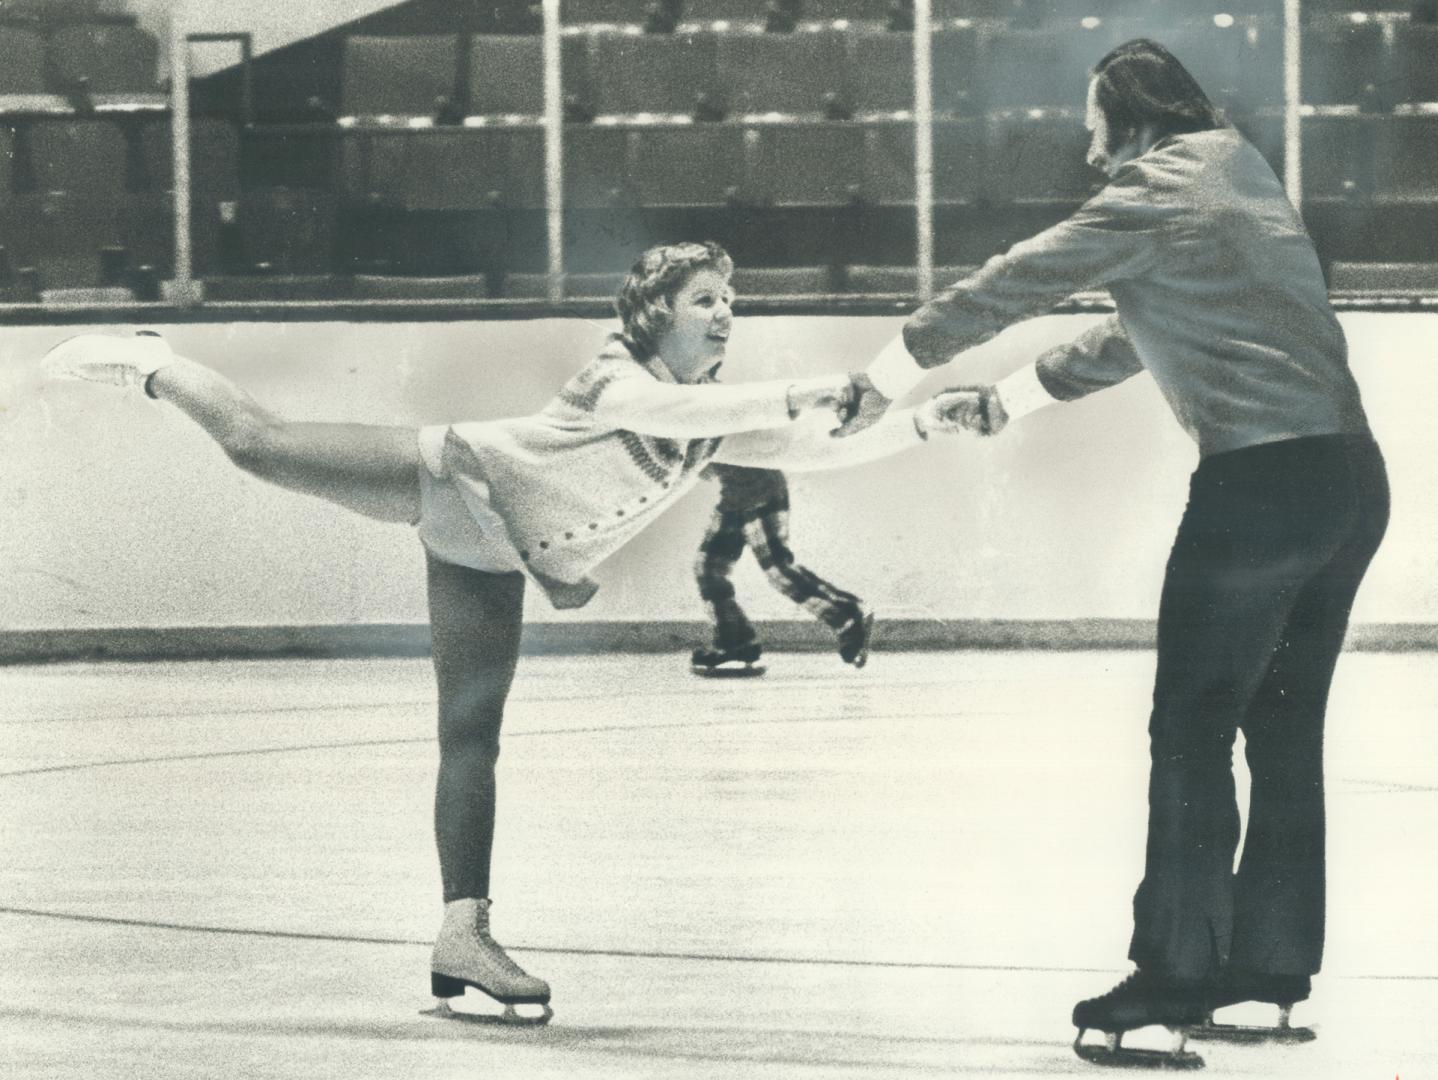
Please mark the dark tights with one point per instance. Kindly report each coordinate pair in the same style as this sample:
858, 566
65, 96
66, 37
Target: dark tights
475, 620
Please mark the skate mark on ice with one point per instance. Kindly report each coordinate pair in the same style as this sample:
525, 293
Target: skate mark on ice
746, 721
548, 950
813, 1047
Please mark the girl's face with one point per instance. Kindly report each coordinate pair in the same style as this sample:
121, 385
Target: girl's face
695, 342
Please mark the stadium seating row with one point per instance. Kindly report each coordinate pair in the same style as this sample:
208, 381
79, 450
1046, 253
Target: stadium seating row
66, 242
865, 71
1019, 158
104, 58
748, 281
634, 11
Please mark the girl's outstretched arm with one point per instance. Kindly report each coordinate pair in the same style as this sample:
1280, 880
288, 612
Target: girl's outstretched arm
642, 404
809, 445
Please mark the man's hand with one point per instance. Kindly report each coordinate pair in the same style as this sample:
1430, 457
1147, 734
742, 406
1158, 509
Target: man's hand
975, 409
867, 408
834, 393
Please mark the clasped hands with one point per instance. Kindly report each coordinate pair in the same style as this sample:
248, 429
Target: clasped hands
973, 409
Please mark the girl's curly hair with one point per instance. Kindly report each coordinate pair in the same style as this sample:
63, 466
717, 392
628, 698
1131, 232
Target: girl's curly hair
645, 303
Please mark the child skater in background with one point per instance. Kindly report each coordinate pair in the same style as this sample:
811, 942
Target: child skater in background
497, 504
753, 512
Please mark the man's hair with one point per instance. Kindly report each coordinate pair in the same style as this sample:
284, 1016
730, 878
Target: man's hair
1141, 84
645, 303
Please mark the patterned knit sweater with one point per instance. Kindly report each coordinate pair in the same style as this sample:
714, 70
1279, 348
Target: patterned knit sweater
619, 443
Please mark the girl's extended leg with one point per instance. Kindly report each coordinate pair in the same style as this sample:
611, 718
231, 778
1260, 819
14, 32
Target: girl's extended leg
370, 469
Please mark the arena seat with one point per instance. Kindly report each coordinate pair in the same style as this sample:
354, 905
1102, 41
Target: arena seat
23, 69
112, 59
1203, 11
579, 12
597, 167
852, 10
242, 288
1038, 159
960, 150
1415, 62
1340, 61
532, 286
957, 64
1406, 166
78, 155
397, 76
881, 67
506, 73
147, 230
288, 157
1387, 278
889, 163
214, 154
1338, 157
444, 168
1038, 69
652, 73
593, 286
7, 157
394, 287
1325, 9
810, 164
1241, 66
60, 233
524, 286
288, 232
973, 9
757, 281
699, 165
904, 280
783, 73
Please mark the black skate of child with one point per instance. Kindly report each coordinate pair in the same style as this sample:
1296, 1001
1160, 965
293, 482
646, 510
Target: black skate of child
740, 662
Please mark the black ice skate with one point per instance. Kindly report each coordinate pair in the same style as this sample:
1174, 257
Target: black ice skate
1140, 1001
1237, 988
742, 662
854, 639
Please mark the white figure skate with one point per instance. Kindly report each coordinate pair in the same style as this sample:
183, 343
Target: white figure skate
466, 955
105, 358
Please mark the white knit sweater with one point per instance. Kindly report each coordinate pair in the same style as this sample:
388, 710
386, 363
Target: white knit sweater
616, 446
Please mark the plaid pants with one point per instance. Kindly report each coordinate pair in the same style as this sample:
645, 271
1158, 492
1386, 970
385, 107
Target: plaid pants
765, 531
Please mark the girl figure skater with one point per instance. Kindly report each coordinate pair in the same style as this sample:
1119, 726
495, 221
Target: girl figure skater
541, 498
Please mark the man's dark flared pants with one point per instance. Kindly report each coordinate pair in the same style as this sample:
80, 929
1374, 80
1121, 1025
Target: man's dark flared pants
1256, 599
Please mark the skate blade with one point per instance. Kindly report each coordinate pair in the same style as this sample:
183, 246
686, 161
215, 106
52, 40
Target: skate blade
511, 1017
863, 657
748, 672
1113, 1054
1126, 1058
1251, 1033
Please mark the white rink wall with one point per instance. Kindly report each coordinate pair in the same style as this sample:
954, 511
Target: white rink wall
119, 513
